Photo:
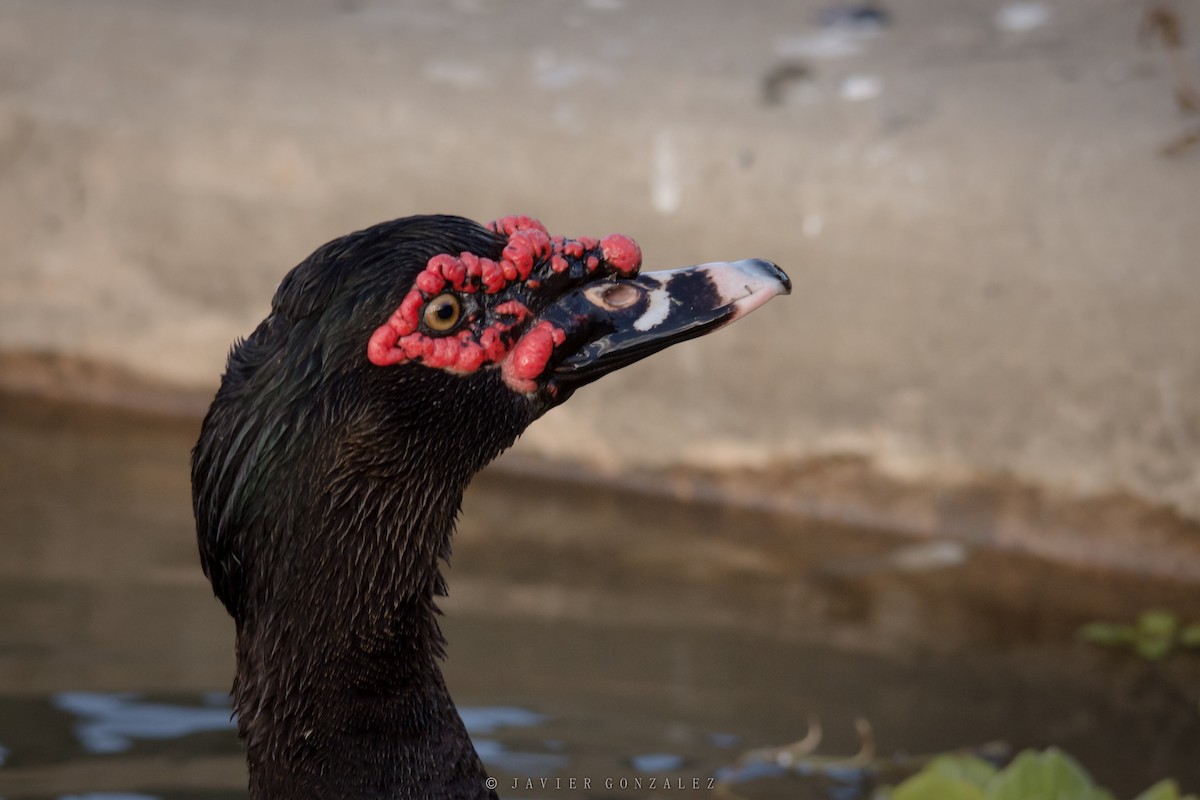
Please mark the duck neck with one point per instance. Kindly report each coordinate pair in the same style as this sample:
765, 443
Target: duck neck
324, 542
339, 692
361, 714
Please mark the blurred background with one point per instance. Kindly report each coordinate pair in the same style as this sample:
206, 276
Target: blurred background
886, 505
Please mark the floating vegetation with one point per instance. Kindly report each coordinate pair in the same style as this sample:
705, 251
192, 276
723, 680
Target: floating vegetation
851, 777
977, 774
1032, 775
1154, 636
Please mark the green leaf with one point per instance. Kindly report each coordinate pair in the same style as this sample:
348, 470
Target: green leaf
1052, 775
1163, 790
1107, 633
968, 769
932, 785
1154, 648
1190, 636
1158, 623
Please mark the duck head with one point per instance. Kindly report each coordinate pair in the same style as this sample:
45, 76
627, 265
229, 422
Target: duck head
553, 314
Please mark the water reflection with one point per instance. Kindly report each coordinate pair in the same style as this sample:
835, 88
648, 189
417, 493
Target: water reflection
109, 723
657, 762
482, 722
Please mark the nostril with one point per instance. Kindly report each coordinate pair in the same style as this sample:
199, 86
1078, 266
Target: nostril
621, 295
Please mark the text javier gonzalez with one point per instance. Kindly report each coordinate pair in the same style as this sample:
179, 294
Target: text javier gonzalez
583, 784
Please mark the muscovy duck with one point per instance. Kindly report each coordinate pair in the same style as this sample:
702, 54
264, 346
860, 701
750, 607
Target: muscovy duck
395, 363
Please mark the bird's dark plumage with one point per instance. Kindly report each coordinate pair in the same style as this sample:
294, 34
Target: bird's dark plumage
333, 460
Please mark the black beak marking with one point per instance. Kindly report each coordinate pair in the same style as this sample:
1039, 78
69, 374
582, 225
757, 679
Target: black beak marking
616, 322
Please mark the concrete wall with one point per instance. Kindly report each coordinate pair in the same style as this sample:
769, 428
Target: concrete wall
996, 271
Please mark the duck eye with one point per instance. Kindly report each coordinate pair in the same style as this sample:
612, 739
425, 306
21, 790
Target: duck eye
442, 313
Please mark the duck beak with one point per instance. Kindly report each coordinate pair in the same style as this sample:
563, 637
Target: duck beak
615, 322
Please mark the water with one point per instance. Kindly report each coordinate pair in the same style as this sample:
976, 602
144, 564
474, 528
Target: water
593, 635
